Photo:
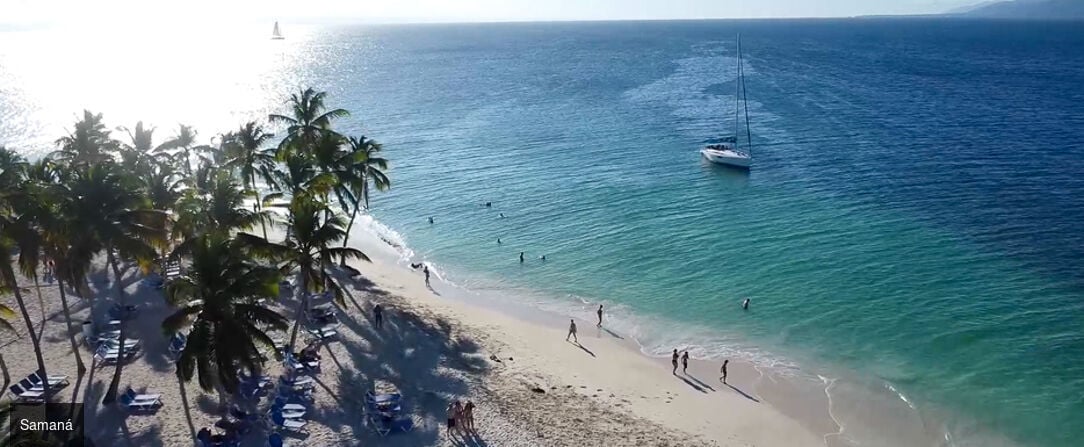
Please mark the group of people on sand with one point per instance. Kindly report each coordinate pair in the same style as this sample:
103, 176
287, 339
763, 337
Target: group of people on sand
685, 364
460, 417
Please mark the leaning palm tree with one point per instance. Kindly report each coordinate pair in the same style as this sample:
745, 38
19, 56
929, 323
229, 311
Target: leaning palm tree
217, 305
244, 150
308, 119
117, 217
18, 233
308, 250
366, 166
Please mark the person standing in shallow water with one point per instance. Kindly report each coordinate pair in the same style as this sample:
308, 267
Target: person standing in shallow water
599, 316
572, 330
685, 362
723, 371
745, 304
521, 257
674, 360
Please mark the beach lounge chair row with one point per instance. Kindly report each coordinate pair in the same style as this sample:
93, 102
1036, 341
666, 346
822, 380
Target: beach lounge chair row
32, 387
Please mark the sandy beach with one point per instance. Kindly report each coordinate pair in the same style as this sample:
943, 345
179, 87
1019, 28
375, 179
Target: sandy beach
530, 385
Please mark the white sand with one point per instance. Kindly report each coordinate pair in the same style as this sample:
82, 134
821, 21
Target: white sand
434, 350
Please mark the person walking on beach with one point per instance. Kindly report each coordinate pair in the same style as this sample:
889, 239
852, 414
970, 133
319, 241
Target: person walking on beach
723, 370
426, 271
685, 362
378, 316
521, 257
572, 330
673, 361
599, 316
468, 415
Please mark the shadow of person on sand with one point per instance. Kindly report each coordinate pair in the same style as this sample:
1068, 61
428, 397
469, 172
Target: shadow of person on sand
743, 393
692, 384
612, 333
578, 345
698, 382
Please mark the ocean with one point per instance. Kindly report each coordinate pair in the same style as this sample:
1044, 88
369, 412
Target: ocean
910, 228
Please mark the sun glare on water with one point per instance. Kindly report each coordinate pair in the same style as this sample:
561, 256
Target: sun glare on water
210, 77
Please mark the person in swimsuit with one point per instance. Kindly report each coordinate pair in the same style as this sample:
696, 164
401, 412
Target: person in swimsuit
426, 271
723, 370
498, 241
599, 316
453, 415
468, 415
378, 316
674, 360
430, 220
572, 330
685, 362
521, 257
745, 304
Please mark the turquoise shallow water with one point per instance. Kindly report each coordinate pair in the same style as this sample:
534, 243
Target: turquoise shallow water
912, 219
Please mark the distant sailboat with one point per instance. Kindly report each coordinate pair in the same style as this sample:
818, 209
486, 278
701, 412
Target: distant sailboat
727, 152
276, 34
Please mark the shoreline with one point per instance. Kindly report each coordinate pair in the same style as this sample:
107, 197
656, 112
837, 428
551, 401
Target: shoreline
607, 366
842, 410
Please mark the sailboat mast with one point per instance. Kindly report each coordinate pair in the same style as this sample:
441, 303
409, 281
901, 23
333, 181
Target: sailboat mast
737, 96
745, 99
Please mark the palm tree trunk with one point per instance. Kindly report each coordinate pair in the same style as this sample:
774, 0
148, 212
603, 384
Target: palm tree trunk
41, 302
111, 393
4, 371
9, 277
302, 307
259, 205
187, 408
71, 332
350, 225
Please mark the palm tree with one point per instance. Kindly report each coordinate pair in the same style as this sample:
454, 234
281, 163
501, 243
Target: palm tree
367, 167
62, 240
18, 231
117, 217
185, 141
89, 144
218, 301
309, 250
307, 121
243, 150
141, 154
221, 209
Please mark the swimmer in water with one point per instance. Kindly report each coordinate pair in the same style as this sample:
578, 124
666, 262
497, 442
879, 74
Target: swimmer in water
502, 215
498, 241
521, 257
489, 205
543, 257
745, 304
430, 220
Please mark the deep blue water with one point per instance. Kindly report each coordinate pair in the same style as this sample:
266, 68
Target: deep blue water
912, 219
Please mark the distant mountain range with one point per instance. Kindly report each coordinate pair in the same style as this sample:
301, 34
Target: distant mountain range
1025, 9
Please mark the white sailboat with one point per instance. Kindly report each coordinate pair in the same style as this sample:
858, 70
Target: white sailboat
275, 33
727, 152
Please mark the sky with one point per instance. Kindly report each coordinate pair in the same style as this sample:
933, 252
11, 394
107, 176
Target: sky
155, 13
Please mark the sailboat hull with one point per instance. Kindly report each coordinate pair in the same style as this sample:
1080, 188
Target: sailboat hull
728, 157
